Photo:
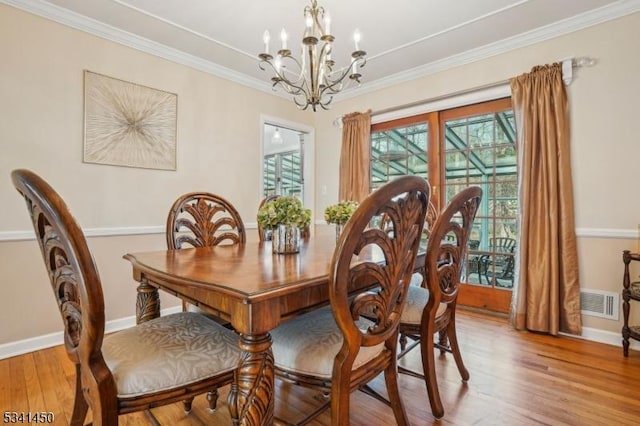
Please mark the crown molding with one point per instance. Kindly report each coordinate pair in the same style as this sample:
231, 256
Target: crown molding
74, 20
108, 32
597, 16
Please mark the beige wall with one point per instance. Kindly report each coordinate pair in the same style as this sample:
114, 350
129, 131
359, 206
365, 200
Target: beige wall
218, 132
605, 144
41, 116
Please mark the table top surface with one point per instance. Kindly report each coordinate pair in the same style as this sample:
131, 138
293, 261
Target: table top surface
248, 271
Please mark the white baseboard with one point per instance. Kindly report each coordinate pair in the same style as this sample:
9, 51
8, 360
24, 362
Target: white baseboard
7, 350
20, 347
603, 336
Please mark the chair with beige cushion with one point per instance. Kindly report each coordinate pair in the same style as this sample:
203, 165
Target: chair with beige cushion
336, 347
431, 307
162, 361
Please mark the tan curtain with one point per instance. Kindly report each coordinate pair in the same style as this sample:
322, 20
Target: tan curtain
354, 157
547, 295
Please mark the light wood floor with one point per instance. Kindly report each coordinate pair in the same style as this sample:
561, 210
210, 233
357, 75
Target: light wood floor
516, 379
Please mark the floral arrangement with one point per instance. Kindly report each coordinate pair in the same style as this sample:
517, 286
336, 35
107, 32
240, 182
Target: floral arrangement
285, 210
341, 212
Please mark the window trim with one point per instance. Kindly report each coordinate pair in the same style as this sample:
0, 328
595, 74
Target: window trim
463, 98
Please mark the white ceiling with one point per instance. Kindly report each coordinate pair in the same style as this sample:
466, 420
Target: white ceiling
403, 38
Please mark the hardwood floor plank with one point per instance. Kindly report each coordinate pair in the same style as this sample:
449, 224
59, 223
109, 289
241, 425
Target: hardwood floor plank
5, 385
517, 378
32, 381
18, 400
54, 387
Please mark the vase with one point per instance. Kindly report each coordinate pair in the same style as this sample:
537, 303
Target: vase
339, 228
285, 239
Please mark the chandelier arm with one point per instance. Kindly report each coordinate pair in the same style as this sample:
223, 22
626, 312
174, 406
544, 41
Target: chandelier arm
290, 88
314, 73
324, 52
279, 79
330, 88
325, 105
303, 106
300, 76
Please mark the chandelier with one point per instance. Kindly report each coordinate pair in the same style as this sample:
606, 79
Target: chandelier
313, 79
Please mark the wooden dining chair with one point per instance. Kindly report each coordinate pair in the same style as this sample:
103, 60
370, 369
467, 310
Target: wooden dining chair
431, 307
417, 278
202, 219
336, 348
265, 234
161, 361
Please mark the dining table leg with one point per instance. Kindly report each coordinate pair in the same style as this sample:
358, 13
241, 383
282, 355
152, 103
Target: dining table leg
147, 303
251, 397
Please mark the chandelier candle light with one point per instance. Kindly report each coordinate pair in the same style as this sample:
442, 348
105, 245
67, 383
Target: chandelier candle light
312, 80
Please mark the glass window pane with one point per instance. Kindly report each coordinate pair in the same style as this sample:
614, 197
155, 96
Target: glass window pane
480, 150
476, 150
398, 152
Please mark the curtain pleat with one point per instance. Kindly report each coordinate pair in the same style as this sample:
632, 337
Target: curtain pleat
354, 156
547, 295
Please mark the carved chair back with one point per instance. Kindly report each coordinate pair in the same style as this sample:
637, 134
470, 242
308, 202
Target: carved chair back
432, 215
430, 219
202, 219
72, 272
448, 245
401, 208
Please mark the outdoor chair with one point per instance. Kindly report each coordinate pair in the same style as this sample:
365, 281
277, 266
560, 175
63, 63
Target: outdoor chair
500, 265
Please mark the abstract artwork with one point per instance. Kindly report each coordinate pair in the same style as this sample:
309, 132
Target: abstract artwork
126, 124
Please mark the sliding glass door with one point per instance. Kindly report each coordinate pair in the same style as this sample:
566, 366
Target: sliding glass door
454, 149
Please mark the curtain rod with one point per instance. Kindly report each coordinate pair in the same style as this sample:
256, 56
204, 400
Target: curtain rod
567, 76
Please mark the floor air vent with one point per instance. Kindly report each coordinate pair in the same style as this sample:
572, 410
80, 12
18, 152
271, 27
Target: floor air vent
598, 303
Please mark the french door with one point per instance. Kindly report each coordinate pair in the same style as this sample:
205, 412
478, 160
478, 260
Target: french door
282, 174
467, 146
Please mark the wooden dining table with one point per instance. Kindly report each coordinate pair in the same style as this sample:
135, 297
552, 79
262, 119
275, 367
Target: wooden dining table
253, 289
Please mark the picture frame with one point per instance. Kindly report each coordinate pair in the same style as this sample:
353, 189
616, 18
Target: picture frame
128, 124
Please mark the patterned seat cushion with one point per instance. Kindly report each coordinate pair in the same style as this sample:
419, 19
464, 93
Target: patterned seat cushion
309, 344
417, 298
168, 352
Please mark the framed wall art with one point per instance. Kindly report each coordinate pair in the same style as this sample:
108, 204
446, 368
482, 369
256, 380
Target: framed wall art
126, 124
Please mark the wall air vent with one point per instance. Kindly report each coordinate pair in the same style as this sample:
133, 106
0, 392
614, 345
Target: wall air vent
598, 303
